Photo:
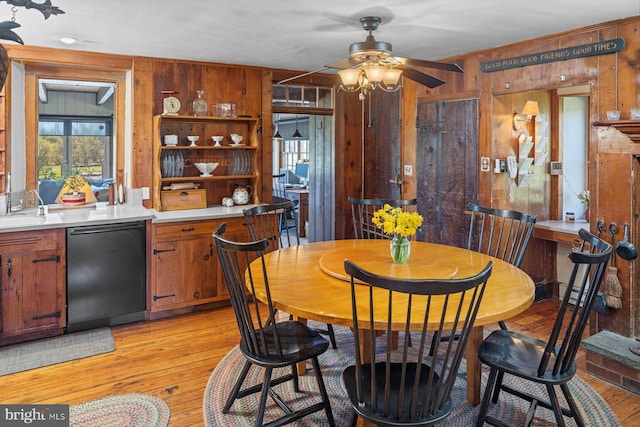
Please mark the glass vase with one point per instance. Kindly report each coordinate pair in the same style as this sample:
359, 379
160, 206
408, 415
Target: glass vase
199, 105
400, 248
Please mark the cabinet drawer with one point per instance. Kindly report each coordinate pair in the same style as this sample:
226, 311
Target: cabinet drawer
172, 200
185, 229
235, 227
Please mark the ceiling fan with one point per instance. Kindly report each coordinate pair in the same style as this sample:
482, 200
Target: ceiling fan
371, 65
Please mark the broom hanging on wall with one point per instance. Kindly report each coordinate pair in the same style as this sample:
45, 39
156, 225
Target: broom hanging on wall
612, 288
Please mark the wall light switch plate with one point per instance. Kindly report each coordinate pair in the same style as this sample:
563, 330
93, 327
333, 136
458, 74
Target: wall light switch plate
408, 170
145, 193
485, 164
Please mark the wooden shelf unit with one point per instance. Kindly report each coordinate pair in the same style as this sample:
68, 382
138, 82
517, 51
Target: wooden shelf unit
237, 165
631, 128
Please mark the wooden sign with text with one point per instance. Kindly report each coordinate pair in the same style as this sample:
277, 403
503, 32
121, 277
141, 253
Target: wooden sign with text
591, 49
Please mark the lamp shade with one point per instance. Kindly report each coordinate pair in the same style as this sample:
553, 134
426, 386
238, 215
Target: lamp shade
349, 77
374, 73
391, 76
531, 109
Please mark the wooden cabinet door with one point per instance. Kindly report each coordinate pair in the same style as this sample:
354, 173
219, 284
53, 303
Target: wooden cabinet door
185, 273
32, 271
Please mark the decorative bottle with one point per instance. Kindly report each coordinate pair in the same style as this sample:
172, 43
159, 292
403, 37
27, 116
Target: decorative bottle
199, 105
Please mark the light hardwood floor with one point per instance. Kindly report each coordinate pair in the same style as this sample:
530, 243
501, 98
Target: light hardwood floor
173, 359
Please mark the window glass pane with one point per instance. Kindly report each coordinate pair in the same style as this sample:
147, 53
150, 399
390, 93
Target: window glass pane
325, 99
279, 95
90, 128
295, 96
50, 157
51, 128
310, 97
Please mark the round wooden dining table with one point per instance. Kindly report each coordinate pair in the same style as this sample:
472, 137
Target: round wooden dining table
309, 282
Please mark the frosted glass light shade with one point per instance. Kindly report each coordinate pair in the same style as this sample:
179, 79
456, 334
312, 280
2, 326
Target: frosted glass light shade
349, 77
374, 73
391, 76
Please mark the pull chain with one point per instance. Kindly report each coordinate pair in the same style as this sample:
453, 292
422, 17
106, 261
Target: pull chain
13, 10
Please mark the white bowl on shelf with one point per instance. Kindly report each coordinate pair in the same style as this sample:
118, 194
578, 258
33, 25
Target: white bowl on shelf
206, 169
218, 139
237, 139
613, 115
193, 139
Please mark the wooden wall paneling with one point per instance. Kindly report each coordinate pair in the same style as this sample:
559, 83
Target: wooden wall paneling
615, 192
426, 169
607, 79
629, 76
409, 137
142, 160
634, 267
265, 153
349, 162
322, 192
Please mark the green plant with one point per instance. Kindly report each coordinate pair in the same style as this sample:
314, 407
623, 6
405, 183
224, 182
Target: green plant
75, 183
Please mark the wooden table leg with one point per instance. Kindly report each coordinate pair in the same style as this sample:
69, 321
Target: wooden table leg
474, 366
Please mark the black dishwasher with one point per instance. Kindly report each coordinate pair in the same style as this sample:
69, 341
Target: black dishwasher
106, 275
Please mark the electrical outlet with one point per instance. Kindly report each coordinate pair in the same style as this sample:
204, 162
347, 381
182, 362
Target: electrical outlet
408, 170
145, 193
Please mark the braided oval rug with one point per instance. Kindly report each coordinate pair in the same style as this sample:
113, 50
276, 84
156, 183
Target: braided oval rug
595, 410
121, 410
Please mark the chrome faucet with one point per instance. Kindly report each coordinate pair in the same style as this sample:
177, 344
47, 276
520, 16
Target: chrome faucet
42, 209
8, 193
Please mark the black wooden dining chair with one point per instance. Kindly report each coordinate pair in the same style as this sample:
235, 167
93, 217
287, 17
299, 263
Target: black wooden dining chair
406, 386
551, 362
279, 195
263, 222
501, 233
362, 211
264, 341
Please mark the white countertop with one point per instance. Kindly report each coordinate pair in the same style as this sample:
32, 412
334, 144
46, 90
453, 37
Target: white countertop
28, 219
199, 214
563, 226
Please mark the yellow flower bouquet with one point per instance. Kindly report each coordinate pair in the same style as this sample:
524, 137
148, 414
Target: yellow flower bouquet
400, 225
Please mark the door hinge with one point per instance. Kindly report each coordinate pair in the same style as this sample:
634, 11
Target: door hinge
157, 251
55, 258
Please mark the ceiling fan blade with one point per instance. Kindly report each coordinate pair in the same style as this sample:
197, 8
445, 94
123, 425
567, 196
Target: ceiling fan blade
447, 66
420, 77
343, 64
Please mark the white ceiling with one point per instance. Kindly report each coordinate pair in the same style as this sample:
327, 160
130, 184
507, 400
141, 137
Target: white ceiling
301, 34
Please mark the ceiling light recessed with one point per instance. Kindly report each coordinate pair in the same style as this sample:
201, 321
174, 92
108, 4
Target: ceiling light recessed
67, 40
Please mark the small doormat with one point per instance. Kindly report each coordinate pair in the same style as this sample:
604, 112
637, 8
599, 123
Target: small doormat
49, 351
123, 410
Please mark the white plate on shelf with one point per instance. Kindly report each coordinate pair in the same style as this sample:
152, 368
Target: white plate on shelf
237, 145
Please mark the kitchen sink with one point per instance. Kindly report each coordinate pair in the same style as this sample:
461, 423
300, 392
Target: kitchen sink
21, 219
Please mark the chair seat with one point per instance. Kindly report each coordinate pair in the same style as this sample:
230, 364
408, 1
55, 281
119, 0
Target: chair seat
349, 380
520, 355
298, 342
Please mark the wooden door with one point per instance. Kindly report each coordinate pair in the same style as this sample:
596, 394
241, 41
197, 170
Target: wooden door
382, 154
446, 169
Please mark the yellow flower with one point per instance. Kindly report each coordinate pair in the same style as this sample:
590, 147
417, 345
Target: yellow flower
395, 221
